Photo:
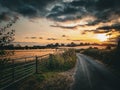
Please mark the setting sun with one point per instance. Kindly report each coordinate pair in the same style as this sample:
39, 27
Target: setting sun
102, 37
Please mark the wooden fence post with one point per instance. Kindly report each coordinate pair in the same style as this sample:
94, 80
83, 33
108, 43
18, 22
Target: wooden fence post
36, 65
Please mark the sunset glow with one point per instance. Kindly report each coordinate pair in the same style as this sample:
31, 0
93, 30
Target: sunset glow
59, 44
102, 37
54, 22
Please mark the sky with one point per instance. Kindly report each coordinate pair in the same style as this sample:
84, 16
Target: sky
62, 21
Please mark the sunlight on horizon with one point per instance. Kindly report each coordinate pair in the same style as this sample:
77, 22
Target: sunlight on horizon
102, 37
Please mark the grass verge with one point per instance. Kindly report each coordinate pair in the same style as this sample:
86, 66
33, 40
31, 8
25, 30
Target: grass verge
49, 77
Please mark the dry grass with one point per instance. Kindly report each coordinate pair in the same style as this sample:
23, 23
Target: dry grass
51, 81
36, 52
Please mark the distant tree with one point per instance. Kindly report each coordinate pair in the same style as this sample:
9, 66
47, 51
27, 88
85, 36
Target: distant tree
26, 47
108, 47
62, 44
73, 44
49, 45
57, 45
10, 47
18, 46
81, 44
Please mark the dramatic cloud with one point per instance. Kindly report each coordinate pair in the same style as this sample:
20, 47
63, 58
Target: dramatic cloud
4, 16
114, 26
61, 11
40, 37
76, 40
64, 27
102, 10
95, 31
29, 8
65, 36
69, 39
51, 39
114, 39
33, 37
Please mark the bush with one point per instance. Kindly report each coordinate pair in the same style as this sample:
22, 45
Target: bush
60, 62
109, 57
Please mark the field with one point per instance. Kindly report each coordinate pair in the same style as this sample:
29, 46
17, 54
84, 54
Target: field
31, 52
85, 47
40, 52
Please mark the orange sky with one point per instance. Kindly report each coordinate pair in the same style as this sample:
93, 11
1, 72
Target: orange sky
62, 21
40, 31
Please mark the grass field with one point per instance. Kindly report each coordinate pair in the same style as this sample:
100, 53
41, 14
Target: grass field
32, 52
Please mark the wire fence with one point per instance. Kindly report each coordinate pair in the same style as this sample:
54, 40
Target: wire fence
17, 69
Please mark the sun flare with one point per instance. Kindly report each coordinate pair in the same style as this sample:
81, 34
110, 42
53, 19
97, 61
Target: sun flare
102, 37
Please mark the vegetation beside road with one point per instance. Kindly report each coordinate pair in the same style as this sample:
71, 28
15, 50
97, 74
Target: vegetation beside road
110, 57
49, 77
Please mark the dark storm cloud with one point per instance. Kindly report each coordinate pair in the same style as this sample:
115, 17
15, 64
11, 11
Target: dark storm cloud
15, 4
77, 9
60, 11
4, 16
29, 8
65, 12
74, 10
95, 31
64, 27
114, 26
95, 22
99, 31
107, 4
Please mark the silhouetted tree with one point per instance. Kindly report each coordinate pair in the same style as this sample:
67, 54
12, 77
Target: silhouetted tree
73, 44
62, 44
81, 44
6, 37
57, 45
26, 47
108, 47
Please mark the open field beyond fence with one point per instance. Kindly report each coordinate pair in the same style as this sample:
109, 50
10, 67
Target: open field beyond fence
17, 69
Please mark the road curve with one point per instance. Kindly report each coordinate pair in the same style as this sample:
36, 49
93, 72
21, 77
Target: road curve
91, 75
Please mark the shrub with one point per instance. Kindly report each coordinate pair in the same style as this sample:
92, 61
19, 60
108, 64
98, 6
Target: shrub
109, 57
62, 61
